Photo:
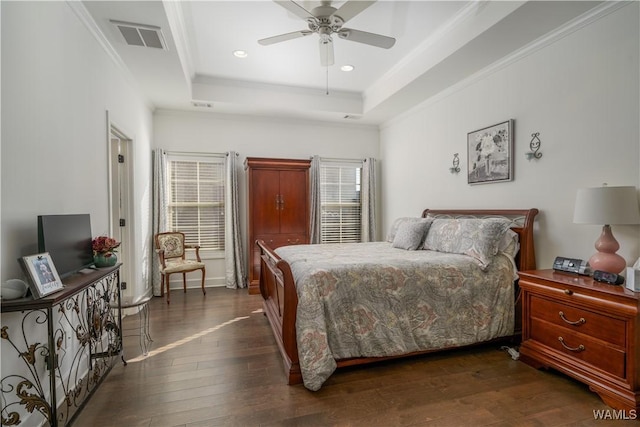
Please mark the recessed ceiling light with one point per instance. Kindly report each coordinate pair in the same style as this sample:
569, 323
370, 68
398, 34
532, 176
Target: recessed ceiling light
347, 67
240, 53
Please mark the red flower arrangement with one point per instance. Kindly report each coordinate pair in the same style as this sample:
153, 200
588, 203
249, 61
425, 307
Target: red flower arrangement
104, 245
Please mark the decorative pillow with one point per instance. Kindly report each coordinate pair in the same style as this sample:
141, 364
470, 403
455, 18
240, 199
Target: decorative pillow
410, 235
394, 227
476, 237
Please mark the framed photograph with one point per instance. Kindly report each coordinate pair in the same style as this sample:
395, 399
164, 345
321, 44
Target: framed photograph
43, 277
490, 154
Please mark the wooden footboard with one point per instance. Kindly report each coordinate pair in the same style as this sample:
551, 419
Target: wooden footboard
281, 301
280, 304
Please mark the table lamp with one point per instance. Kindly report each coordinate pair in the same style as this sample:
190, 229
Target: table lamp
607, 205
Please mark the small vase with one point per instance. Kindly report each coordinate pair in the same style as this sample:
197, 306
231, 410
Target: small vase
105, 260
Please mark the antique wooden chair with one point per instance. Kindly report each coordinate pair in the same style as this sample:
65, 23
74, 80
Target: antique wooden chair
171, 249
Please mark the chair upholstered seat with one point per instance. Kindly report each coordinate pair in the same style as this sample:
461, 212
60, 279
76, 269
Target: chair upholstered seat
180, 265
171, 250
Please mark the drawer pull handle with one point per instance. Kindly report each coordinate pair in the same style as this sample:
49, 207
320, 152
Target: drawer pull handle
294, 243
580, 321
568, 291
576, 349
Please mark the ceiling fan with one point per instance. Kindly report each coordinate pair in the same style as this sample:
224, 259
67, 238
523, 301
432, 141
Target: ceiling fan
326, 20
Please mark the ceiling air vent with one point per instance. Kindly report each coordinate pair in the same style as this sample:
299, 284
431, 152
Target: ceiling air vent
202, 104
141, 35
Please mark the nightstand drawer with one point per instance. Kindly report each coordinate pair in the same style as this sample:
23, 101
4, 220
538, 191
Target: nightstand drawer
595, 340
579, 320
579, 346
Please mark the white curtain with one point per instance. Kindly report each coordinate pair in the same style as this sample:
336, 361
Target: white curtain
235, 276
368, 200
314, 183
159, 213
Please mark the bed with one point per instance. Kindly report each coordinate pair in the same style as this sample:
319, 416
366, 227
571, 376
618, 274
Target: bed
447, 279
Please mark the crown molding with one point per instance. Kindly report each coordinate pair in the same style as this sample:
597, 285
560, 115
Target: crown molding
178, 27
268, 118
587, 18
471, 9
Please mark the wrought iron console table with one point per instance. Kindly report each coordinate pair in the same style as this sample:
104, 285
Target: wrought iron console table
82, 338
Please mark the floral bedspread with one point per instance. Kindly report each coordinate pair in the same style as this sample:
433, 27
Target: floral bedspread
372, 300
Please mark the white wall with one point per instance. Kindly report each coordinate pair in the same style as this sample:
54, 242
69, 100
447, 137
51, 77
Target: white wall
581, 93
258, 137
57, 85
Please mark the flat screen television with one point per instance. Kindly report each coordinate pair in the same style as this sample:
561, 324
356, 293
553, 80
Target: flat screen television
67, 238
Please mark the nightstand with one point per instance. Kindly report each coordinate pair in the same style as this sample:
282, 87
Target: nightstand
585, 329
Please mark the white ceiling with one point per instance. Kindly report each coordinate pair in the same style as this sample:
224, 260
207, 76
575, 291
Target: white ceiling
438, 43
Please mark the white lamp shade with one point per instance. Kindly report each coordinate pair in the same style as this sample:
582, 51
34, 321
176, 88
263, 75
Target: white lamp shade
607, 205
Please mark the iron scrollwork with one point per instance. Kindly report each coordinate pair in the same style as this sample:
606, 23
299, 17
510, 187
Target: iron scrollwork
83, 337
534, 146
28, 389
455, 164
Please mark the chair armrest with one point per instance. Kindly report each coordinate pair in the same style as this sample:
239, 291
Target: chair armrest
197, 248
160, 253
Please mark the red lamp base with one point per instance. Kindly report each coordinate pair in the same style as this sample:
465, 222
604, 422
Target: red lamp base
606, 259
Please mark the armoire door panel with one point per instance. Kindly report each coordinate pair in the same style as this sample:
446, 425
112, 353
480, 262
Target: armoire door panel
278, 207
294, 215
265, 207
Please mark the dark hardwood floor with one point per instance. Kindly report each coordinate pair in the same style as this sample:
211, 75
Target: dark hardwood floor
214, 362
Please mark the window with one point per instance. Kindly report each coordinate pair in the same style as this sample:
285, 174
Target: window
340, 185
196, 199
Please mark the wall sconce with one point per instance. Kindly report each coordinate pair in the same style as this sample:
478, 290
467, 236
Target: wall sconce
456, 164
534, 146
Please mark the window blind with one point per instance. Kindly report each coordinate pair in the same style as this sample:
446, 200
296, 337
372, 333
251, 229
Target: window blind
340, 185
196, 200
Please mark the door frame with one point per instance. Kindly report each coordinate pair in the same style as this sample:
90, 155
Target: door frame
125, 255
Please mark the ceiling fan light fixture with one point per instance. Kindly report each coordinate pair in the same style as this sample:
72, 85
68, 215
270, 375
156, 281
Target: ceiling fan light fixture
347, 67
240, 53
325, 20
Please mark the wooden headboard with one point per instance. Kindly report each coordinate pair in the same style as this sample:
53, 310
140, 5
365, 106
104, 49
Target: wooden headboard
522, 220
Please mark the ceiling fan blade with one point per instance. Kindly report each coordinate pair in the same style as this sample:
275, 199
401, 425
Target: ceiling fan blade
296, 9
284, 37
326, 52
352, 8
367, 38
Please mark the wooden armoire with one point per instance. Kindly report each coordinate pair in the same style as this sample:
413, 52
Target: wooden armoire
278, 207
